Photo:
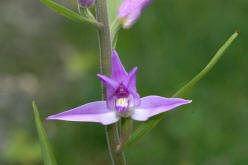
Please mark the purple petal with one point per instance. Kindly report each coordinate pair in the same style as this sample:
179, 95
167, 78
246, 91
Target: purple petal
86, 3
130, 11
130, 83
108, 82
128, 6
153, 105
118, 71
111, 86
131, 19
91, 112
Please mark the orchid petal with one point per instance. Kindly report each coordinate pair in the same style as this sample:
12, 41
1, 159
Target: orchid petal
131, 85
130, 10
108, 82
91, 112
131, 19
118, 71
129, 6
132, 78
154, 105
111, 86
86, 3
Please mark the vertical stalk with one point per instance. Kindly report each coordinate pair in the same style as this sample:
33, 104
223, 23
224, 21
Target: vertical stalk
113, 140
126, 128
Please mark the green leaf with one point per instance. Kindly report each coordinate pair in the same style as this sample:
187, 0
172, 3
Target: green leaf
113, 6
46, 150
115, 39
115, 27
69, 13
147, 126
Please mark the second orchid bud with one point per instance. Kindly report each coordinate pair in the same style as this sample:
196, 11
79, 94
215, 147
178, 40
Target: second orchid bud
130, 10
86, 3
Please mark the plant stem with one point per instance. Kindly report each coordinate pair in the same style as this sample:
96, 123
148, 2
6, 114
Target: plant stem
112, 135
126, 128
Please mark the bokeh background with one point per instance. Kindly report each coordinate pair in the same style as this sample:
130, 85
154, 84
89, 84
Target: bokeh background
46, 58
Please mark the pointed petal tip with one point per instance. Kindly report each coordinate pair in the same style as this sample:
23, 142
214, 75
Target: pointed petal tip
180, 100
51, 117
154, 105
134, 69
118, 71
108, 82
187, 101
99, 75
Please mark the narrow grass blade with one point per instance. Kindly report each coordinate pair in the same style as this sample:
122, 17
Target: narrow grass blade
69, 13
47, 153
207, 68
147, 126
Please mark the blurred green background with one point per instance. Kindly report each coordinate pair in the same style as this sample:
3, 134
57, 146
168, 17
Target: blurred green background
45, 57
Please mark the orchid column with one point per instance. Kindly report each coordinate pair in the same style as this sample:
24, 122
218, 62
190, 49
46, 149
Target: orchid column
105, 60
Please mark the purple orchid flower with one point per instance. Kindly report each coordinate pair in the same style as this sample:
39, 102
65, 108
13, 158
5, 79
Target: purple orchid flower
86, 3
122, 100
130, 10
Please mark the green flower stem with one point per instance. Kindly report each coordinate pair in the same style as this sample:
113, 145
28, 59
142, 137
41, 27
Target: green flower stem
126, 128
112, 135
79, 8
90, 15
147, 126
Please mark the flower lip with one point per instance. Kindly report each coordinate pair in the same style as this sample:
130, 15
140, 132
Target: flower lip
121, 104
121, 98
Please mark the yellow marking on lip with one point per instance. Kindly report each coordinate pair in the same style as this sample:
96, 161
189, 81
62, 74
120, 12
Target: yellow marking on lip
122, 102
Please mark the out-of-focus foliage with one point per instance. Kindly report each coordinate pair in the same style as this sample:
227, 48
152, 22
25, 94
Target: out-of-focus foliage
45, 57
20, 148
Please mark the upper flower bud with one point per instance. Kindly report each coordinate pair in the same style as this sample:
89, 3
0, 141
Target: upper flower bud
86, 3
130, 10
